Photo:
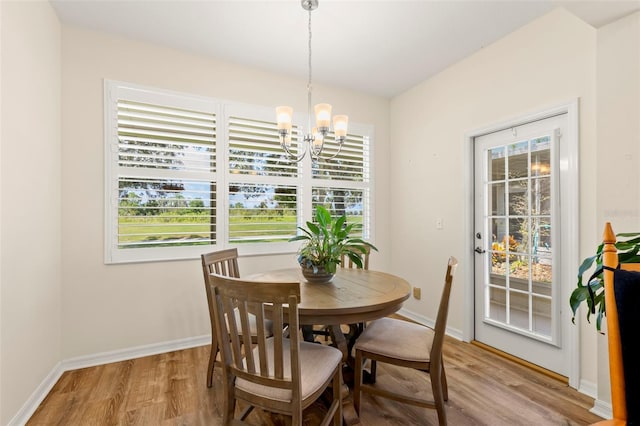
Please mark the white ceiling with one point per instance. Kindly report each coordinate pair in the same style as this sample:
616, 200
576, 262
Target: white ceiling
378, 47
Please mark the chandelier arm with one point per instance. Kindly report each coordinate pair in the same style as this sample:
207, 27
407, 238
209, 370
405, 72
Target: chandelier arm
319, 154
293, 157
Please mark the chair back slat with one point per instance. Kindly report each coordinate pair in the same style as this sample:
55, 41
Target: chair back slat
276, 300
262, 337
223, 262
278, 359
245, 332
231, 329
295, 344
443, 310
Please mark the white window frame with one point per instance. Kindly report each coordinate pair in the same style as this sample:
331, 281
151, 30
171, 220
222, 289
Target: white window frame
113, 90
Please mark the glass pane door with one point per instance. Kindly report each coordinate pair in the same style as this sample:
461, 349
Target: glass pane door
518, 291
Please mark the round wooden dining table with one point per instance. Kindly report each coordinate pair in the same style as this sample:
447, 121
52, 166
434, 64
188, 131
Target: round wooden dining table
352, 296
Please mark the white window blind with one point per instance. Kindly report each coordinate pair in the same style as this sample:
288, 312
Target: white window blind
351, 202
254, 149
187, 174
263, 207
175, 210
342, 184
262, 212
351, 164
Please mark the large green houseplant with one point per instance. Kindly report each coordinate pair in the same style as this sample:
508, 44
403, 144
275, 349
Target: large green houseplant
592, 293
326, 242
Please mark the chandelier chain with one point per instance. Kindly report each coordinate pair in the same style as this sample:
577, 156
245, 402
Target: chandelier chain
309, 87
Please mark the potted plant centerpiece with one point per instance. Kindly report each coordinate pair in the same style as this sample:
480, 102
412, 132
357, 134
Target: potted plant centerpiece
326, 242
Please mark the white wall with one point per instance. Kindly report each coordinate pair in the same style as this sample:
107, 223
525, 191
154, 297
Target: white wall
618, 79
1, 216
30, 267
548, 62
110, 307
618, 185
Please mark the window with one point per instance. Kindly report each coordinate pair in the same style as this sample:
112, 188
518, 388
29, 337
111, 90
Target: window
263, 185
342, 184
187, 174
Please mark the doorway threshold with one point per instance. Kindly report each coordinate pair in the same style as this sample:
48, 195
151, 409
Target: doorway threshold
520, 361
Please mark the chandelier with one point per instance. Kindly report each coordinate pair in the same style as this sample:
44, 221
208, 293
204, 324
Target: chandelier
315, 136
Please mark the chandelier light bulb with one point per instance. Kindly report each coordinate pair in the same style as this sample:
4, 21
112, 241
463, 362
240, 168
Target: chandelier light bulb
286, 140
284, 116
323, 116
317, 140
340, 124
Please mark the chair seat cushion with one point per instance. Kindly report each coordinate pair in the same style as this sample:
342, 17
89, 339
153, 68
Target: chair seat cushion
317, 364
397, 339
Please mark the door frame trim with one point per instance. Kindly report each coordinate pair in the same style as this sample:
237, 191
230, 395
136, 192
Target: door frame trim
569, 218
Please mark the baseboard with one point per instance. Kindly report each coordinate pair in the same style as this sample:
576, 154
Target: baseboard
602, 409
31, 405
588, 388
135, 352
420, 319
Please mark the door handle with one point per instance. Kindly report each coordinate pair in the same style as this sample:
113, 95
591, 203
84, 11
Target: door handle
479, 250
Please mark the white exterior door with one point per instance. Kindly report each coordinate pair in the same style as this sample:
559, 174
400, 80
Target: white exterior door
518, 294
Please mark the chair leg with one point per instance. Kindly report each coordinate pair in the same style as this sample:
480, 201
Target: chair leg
358, 380
296, 415
337, 396
228, 398
445, 389
307, 333
212, 360
374, 368
438, 398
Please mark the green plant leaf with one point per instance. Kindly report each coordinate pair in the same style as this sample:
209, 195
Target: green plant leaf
578, 295
357, 260
584, 267
322, 216
627, 245
628, 252
629, 234
313, 228
338, 224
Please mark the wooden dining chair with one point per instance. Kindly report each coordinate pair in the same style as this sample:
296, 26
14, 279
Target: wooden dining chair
222, 262
407, 344
279, 374
621, 293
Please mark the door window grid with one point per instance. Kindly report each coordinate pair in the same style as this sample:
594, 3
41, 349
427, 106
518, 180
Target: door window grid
514, 260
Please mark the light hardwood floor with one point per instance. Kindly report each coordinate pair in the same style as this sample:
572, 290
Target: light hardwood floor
170, 389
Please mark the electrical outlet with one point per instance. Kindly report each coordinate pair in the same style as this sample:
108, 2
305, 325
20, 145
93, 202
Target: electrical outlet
417, 292
439, 224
